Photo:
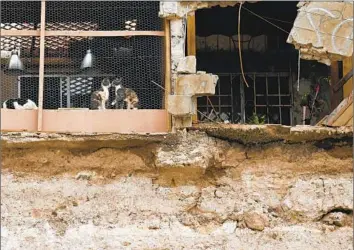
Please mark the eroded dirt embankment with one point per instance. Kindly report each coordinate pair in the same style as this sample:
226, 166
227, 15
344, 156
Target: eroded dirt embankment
208, 189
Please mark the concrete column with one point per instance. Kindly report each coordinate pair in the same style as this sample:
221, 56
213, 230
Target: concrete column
178, 38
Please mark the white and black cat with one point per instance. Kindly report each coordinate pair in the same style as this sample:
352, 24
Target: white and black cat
19, 103
124, 95
100, 97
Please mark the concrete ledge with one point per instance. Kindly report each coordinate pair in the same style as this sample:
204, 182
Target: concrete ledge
89, 121
246, 134
19, 120
253, 134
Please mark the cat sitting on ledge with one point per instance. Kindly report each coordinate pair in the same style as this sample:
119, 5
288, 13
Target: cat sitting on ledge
123, 94
100, 97
19, 103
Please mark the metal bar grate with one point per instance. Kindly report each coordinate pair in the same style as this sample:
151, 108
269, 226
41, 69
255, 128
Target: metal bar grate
237, 104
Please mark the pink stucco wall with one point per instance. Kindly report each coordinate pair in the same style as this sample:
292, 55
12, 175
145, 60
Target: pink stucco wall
110, 121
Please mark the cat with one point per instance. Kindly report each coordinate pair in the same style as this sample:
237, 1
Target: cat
100, 97
19, 103
123, 94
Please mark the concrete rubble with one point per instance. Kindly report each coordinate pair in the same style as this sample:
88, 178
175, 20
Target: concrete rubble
188, 88
185, 81
256, 221
323, 31
188, 85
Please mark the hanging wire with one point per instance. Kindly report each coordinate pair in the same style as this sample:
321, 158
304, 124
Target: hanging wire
299, 59
298, 71
239, 45
278, 20
280, 28
294, 27
158, 85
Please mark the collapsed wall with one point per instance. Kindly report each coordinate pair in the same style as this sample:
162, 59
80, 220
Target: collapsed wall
228, 187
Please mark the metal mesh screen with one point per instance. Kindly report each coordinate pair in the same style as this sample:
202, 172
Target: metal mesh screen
29, 46
102, 15
80, 15
139, 60
20, 15
14, 85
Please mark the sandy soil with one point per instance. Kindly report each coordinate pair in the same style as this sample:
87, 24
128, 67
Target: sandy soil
183, 191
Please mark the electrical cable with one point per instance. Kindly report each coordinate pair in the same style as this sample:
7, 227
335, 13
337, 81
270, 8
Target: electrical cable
265, 20
299, 59
294, 27
239, 45
298, 71
278, 20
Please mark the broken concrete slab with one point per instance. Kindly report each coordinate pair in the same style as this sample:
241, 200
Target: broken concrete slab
187, 65
253, 134
246, 134
323, 31
196, 84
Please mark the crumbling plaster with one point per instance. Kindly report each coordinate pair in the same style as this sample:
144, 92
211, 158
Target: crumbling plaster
175, 9
323, 31
186, 83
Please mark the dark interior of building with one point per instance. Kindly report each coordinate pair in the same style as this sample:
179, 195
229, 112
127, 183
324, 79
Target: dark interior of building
268, 72
138, 59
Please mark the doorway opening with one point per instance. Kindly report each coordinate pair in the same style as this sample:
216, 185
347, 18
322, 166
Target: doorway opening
270, 64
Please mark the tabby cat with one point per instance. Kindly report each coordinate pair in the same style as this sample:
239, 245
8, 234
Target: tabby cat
123, 94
